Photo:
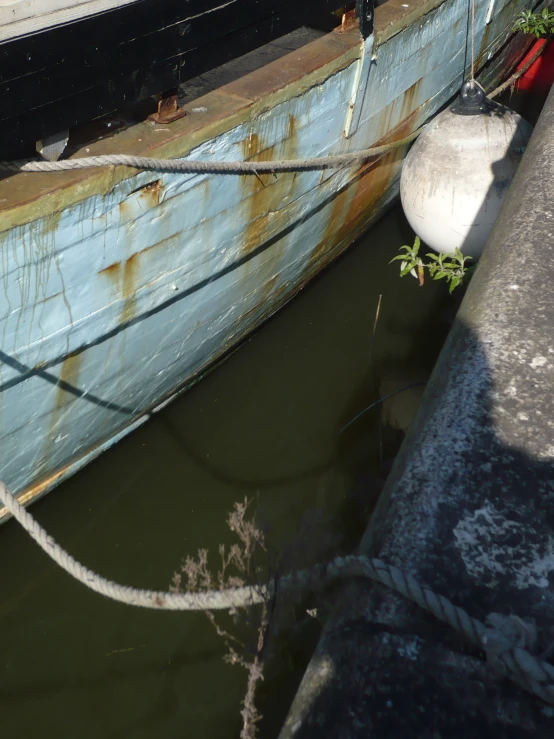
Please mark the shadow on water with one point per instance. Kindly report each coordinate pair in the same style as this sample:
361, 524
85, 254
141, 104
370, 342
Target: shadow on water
266, 425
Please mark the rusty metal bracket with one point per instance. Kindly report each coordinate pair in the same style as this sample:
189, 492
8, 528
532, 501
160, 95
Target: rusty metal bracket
348, 23
359, 17
168, 109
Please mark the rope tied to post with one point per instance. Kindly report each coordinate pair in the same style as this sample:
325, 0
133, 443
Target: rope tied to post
502, 643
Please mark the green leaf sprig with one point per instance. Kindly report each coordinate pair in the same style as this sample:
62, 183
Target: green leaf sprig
450, 267
538, 24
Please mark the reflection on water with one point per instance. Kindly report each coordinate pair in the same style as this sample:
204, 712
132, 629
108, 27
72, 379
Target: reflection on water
266, 424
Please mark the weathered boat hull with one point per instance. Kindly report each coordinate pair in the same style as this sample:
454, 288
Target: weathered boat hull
120, 288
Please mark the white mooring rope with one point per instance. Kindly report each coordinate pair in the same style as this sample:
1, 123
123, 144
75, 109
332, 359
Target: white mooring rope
472, 43
529, 672
190, 166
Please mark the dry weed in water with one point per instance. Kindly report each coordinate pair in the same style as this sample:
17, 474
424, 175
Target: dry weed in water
237, 568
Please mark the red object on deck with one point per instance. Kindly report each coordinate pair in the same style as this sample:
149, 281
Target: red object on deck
540, 75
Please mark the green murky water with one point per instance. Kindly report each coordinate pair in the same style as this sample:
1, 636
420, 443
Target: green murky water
265, 424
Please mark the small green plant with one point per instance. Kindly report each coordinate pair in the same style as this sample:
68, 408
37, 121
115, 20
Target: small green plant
411, 262
450, 267
538, 24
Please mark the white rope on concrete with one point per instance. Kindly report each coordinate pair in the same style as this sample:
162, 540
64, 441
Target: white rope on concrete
528, 671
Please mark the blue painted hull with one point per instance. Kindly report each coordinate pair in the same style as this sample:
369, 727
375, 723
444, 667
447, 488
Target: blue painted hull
120, 288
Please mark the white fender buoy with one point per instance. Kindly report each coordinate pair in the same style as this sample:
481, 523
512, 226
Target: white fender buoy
456, 175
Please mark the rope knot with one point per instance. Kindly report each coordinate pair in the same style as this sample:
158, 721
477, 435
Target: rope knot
507, 632
511, 647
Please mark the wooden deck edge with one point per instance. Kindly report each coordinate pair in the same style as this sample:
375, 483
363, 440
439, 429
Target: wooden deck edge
394, 16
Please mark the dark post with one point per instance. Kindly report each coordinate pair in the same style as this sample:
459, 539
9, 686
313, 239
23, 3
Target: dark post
364, 11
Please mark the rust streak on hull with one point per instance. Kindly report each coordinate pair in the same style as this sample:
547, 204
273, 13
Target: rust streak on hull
355, 204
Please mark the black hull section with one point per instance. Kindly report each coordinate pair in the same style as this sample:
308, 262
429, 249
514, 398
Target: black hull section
64, 76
